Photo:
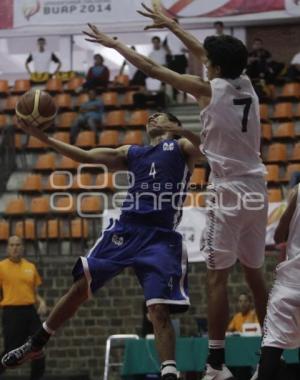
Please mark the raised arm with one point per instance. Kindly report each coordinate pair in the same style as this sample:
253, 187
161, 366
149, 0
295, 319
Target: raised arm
113, 159
187, 83
162, 21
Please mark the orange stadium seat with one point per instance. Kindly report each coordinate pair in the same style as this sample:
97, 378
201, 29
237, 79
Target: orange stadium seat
3, 121
86, 139
66, 119
67, 163
11, 102
291, 168
74, 84
54, 85
266, 132
33, 182
122, 80
62, 136
264, 112
20, 140
109, 138
57, 181
45, 162
110, 99
133, 138
138, 118
128, 99
284, 131
26, 229
91, 205
35, 143
114, 119
82, 180
52, 229
290, 91
40, 205
82, 98
16, 207
64, 204
63, 101
283, 111
296, 153
272, 173
21, 86
277, 152
4, 230
105, 181
79, 228
274, 195
198, 177
3, 87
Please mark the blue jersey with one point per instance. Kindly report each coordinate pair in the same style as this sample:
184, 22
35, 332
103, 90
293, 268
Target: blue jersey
158, 178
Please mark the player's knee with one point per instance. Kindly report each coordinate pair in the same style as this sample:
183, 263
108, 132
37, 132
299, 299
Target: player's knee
80, 289
159, 314
217, 278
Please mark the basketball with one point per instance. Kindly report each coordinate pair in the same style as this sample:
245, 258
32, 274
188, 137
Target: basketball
37, 108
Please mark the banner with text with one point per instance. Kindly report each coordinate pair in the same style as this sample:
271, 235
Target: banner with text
78, 12
193, 224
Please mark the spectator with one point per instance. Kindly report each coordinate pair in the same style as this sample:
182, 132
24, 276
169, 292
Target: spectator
136, 77
294, 69
245, 315
159, 51
176, 56
152, 96
91, 114
219, 28
259, 61
41, 59
98, 75
19, 280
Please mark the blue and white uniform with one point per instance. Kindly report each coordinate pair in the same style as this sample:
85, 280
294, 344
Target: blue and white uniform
144, 237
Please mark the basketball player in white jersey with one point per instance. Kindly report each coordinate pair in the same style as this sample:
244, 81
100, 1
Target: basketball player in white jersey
282, 323
230, 139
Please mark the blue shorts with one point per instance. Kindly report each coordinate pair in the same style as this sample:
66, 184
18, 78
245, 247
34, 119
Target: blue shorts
156, 255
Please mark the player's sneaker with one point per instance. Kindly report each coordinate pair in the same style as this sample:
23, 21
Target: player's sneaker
217, 374
21, 355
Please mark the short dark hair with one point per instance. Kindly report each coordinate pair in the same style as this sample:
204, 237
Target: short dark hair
247, 295
219, 23
155, 38
227, 52
173, 118
258, 39
42, 39
98, 55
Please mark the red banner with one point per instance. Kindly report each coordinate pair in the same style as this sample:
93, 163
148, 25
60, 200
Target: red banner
6, 14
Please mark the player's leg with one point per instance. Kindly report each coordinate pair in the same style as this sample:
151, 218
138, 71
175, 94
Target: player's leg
93, 124
162, 272
256, 281
164, 338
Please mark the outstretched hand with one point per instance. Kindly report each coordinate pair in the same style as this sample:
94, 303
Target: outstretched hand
156, 14
34, 131
96, 36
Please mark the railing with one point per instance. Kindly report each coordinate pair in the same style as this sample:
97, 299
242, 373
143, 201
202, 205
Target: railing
7, 156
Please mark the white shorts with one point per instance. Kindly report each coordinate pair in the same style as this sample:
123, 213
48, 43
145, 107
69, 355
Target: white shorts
282, 323
237, 213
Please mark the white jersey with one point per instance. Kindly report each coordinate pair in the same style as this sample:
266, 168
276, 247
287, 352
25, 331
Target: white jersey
41, 61
230, 138
288, 272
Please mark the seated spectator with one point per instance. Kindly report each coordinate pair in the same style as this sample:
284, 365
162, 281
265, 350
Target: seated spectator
41, 59
98, 75
136, 77
91, 114
219, 28
245, 315
294, 69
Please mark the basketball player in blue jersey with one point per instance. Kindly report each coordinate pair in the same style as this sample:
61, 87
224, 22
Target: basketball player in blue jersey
143, 238
230, 140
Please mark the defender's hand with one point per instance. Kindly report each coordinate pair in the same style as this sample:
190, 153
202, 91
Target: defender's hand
34, 131
156, 14
98, 37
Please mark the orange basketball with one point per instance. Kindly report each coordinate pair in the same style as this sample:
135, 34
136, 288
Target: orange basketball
37, 108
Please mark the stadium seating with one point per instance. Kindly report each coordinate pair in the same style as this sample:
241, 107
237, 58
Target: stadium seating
45, 162
33, 183
133, 138
21, 86
54, 85
109, 139
4, 230
26, 229
274, 195
115, 119
66, 119
4, 87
